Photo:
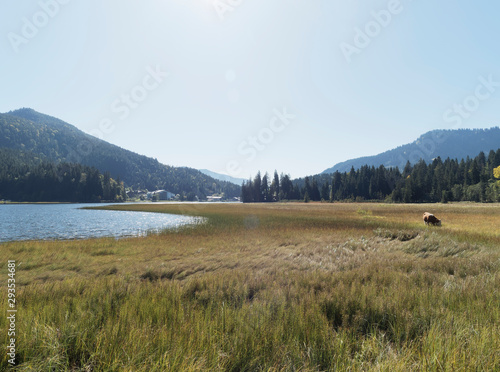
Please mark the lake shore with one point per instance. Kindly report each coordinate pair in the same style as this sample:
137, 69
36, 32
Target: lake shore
24, 222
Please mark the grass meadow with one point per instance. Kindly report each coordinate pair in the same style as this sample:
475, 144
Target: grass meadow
277, 287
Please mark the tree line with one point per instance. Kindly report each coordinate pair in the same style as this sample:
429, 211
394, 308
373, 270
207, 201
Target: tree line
438, 181
27, 178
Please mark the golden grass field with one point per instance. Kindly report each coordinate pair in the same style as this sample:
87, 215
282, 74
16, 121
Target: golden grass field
276, 287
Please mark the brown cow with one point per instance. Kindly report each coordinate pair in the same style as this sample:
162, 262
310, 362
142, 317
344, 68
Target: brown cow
429, 218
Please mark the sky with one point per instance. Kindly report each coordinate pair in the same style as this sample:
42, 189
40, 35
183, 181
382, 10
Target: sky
240, 86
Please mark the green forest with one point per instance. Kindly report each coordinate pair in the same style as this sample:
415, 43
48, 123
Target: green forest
27, 178
469, 179
56, 141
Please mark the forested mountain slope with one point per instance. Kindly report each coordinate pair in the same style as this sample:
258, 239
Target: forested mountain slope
52, 139
453, 144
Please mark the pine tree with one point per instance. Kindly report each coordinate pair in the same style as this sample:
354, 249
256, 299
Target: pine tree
315, 194
257, 188
264, 191
286, 187
325, 191
275, 187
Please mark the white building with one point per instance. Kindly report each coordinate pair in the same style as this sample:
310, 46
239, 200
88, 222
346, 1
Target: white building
162, 195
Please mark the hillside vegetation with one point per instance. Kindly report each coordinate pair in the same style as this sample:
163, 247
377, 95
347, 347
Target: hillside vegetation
267, 287
56, 141
453, 144
476, 180
25, 177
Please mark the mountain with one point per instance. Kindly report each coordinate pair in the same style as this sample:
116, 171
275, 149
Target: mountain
223, 177
53, 140
455, 144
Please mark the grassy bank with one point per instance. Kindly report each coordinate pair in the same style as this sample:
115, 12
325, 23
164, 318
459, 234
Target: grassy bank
281, 287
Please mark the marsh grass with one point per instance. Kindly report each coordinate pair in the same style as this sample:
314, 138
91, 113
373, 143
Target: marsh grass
401, 235
284, 287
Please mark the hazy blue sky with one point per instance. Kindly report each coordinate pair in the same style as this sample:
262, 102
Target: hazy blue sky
356, 77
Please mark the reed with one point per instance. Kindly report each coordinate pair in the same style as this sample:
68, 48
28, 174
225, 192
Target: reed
281, 287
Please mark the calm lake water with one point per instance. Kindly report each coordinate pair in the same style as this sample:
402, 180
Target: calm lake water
69, 221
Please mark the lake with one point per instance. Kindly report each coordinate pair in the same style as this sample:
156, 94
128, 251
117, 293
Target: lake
69, 221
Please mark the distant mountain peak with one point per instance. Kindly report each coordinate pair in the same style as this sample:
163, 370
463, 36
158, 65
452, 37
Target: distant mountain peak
25, 111
223, 177
39, 118
452, 143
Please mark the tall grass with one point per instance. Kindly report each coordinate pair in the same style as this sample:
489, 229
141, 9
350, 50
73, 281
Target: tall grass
266, 288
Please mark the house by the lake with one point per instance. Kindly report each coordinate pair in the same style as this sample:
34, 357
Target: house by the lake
161, 195
214, 198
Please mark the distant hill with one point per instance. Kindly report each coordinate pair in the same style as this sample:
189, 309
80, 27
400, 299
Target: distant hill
223, 177
455, 144
54, 140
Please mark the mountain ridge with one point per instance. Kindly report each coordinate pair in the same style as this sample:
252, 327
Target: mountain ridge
55, 140
223, 177
455, 144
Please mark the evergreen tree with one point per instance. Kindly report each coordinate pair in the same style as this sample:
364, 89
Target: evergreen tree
257, 188
286, 187
264, 190
325, 191
315, 194
275, 187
